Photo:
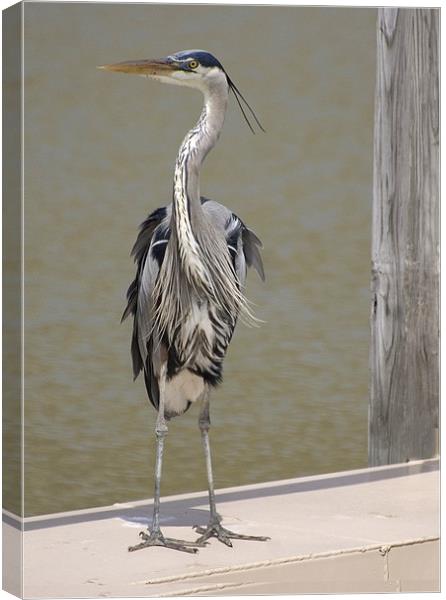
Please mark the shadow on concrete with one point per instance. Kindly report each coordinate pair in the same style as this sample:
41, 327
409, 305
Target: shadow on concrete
186, 512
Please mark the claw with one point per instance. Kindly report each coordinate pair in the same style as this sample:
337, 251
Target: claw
226, 541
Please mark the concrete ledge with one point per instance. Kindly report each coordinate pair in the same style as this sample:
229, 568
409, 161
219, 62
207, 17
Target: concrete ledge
367, 530
365, 569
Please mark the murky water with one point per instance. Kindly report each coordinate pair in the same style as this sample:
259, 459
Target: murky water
99, 153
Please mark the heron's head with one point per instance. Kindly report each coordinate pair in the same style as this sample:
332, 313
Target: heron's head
191, 68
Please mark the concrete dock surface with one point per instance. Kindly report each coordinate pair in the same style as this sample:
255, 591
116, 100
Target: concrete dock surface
369, 530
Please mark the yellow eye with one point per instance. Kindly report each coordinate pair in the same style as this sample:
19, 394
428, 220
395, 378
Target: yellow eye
193, 64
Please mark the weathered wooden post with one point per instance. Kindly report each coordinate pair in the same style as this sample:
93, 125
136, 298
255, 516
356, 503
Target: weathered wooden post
403, 411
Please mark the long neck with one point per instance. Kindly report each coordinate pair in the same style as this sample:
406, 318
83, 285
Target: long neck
197, 254
187, 211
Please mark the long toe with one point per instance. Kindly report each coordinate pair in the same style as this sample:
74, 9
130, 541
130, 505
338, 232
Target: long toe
253, 538
206, 534
157, 539
195, 544
225, 535
164, 544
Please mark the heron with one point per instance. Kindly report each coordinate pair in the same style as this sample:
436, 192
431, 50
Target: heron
188, 293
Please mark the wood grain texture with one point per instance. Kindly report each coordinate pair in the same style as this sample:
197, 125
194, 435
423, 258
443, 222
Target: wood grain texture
403, 412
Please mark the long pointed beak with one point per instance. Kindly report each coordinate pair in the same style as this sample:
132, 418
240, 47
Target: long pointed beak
158, 66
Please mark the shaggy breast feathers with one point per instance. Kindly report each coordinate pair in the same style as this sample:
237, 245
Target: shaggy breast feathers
198, 342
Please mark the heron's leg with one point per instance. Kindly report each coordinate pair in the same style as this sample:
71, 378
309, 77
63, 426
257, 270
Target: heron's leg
204, 423
154, 537
214, 527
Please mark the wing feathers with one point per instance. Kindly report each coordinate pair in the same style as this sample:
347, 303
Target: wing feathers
251, 244
134, 307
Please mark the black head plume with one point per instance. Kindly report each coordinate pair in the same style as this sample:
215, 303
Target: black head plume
241, 99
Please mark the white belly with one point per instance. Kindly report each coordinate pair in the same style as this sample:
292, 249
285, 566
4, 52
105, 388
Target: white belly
182, 388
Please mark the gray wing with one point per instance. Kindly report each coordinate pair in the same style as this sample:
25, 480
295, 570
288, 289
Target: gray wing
243, 243
148, 253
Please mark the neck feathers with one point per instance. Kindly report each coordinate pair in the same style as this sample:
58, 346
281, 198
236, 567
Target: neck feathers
187, 211
197, 261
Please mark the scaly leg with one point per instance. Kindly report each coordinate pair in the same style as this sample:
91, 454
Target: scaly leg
154, 537
215, 528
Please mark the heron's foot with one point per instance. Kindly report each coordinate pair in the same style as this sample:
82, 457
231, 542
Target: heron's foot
216, 529
156, 538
